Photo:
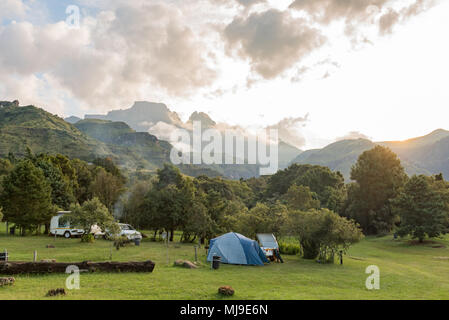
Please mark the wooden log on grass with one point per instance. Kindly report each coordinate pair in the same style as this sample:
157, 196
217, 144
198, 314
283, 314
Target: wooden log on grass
13, 268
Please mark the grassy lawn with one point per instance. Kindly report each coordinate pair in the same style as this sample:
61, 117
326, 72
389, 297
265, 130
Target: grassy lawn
407, 272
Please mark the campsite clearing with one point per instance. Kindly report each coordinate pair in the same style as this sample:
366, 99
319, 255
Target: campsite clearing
407, 271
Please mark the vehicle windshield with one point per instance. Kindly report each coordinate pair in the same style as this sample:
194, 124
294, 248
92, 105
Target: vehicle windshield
126, 227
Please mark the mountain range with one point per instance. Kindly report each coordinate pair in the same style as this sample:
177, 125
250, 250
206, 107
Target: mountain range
29, 126
159, 120
423, 155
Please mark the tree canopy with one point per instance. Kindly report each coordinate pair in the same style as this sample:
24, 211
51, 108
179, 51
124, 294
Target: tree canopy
379, 177
423, 207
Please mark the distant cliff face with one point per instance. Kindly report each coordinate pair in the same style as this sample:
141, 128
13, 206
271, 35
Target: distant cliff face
142, 116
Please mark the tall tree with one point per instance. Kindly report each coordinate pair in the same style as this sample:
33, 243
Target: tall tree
26, 196
107, 188
423, 208
379, 178
84, 178
62, 192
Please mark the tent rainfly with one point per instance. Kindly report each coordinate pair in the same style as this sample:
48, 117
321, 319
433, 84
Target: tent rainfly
233, 248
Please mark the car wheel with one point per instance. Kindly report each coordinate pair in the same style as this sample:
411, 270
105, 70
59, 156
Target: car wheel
67, 235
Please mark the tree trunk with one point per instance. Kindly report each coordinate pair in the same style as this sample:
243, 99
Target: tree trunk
12, 268
155, 235
172, 234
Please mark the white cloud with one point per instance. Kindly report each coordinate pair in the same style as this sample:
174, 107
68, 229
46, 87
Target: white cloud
12, 9
273, 41
112, 57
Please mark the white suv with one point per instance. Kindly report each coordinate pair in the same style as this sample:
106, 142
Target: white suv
128, 231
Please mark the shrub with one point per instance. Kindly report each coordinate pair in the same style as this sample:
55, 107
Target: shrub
88, 238
323, 233
121, 242
290, 249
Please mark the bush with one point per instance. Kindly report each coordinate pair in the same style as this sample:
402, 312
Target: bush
88, 238
120, 242
323, 233
290, 249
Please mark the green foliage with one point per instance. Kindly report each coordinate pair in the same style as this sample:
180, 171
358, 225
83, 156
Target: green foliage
92, 213
62, 192
325, 184
423, 208
290, 249
301, 198
379, 178
121, 242
26, 196
84, 179
88, 238
262, 218
1, 214
323, 233
107, 187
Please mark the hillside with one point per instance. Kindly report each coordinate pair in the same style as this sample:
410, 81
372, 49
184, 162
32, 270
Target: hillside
42, 132
22, 127
134, 149
423, 155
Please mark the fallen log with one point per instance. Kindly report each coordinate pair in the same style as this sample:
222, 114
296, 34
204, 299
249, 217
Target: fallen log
13, 268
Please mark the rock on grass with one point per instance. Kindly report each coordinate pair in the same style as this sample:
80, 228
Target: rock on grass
185, 264
7, 281
56, 292
226, 291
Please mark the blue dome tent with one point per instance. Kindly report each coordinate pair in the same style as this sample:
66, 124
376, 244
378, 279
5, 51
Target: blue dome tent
233, 248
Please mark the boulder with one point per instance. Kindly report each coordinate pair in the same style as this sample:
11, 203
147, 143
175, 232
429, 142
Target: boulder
226, 291
7, 281
185, 264
56, 292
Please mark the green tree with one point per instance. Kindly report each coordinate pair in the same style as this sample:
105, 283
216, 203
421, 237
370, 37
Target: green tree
110, 167
26, 196
107, 187
423, 208
326, 184
92, 213
62, 192
84, 178
169, 174
379, 178
323, 233
1, 214
301, 198
134, 206
262, 219
169, 207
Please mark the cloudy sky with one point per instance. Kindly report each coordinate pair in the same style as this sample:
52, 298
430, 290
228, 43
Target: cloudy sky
323, 69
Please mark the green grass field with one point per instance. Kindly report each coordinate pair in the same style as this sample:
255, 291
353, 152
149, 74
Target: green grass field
407, 272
